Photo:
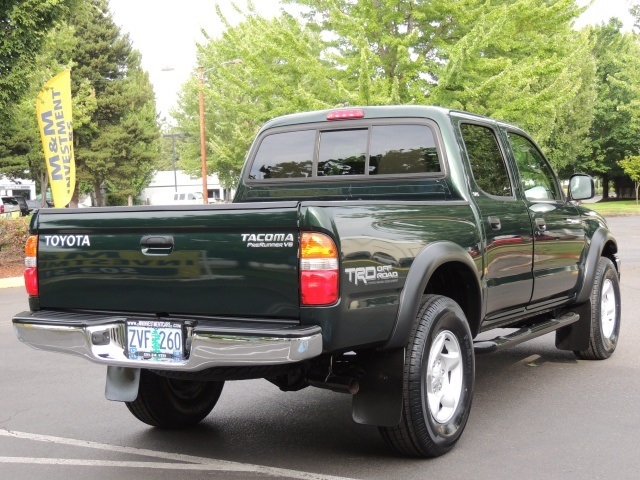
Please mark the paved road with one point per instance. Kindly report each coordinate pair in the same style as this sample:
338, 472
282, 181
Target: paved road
538, 413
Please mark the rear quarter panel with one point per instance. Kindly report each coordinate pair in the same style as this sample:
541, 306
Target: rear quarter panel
378, 242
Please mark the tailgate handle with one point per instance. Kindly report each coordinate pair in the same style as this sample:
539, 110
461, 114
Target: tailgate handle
156, 244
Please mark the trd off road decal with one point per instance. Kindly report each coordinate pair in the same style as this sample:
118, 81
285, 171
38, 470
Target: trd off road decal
372, 275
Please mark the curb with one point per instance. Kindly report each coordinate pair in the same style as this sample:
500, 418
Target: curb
11, 282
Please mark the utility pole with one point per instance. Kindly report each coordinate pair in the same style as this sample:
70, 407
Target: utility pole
203, 142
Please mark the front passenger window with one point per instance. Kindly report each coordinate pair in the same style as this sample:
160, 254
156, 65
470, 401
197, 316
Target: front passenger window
538, 180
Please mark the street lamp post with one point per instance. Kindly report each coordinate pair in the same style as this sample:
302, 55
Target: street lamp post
203, 142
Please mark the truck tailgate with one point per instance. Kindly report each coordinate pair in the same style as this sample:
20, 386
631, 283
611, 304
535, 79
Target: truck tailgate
222, 260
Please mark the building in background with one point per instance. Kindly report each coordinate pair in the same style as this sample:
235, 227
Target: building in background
25, 188
166, 183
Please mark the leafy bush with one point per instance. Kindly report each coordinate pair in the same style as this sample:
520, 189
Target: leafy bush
13, 235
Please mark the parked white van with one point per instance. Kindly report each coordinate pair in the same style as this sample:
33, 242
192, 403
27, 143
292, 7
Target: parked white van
187, 198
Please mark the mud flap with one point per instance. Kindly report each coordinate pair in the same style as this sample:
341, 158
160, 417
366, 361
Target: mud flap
122, 384
379, 400
575, 337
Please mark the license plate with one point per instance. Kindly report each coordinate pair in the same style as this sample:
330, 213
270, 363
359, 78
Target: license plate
155, 341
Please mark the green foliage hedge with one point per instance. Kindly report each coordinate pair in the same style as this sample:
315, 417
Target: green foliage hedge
13, 236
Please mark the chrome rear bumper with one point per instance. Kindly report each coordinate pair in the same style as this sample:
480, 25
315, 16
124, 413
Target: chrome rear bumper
102, 339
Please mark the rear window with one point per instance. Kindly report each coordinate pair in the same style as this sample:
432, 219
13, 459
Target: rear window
397, 149
342, 152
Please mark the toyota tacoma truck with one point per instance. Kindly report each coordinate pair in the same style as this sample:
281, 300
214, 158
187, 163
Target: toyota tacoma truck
365, 252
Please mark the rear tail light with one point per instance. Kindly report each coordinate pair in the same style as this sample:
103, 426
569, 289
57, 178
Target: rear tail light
1, 208
318, 269
31, 265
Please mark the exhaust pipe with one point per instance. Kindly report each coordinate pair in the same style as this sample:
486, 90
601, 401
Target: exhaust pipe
336, 383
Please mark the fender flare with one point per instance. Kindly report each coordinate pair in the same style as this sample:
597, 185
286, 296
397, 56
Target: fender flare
600, 239
428, 260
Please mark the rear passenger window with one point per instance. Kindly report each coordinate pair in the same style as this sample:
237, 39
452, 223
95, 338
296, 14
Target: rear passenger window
485, 157
397, 149
284, 155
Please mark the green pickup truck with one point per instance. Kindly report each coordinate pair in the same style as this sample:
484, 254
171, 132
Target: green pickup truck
365, 252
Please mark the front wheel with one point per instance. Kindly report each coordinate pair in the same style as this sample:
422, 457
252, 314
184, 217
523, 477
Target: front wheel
171, 403
438, 381
605, 313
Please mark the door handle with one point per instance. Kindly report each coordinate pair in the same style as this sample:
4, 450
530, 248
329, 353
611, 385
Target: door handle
541, 225
156, 244
494, 222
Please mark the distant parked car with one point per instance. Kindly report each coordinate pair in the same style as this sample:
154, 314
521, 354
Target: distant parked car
34, 205
188, 198
24, 206
9, 207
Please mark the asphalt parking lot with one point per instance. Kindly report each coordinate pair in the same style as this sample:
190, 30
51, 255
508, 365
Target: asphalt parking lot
538, 413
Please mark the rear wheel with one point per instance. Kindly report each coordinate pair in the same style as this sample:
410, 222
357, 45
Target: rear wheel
171, 403
437, 381
605, 313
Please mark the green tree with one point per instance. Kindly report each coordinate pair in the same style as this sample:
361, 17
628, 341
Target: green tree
20, 144
517, 60
392, 51
117, 147
615, 130
24, 25
631, 166
257, 70
521, 61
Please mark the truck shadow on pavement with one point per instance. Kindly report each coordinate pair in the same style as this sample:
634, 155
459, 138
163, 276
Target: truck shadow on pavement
254, 422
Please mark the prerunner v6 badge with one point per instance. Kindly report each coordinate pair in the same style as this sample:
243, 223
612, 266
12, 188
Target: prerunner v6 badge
268, 240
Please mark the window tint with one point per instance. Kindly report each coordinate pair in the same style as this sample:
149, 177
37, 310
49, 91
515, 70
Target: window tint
284, 155
342, 152
487, 164
538, 180
363, 150
397, 149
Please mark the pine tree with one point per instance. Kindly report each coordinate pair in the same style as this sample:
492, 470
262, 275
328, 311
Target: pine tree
114, 150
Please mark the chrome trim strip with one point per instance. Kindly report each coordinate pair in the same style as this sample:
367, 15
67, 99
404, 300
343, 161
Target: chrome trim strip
206, 350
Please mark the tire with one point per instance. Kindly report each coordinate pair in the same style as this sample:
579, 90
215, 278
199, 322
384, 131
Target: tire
605, 313
170, 403
437, 393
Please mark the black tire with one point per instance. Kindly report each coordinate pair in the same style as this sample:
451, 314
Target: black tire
170, 403
605, 313
425, 431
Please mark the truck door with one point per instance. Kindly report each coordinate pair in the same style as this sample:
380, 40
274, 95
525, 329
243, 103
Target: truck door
508, 247
559, 236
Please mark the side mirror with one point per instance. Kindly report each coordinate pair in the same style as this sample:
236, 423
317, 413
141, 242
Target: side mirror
581, 187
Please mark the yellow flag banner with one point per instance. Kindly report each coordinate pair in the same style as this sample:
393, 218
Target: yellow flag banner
53, 108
